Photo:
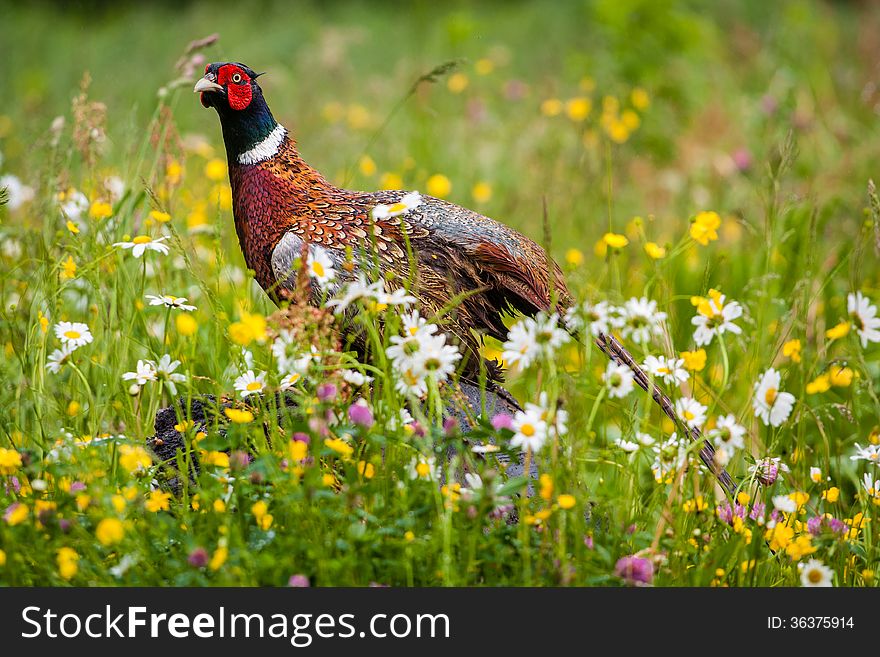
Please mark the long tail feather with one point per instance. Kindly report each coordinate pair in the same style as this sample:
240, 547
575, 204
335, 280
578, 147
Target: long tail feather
617, 353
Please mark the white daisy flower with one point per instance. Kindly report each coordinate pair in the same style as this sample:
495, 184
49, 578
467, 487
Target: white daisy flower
595, 316
714, 317
417, 332
73, 334
290, 380
18, 193
864, 318
530, 431
627, 445
815, 573
59, 358
143, 373
11, 249
423, 467
784, 503
644, 439
642, 320
815, 474
559, 424
355, 378
727, 434
409, 202
618, 380
74, 205
869, 453
115, 186
286, 351
352, 291
408, 381
521, 347
169, 301
399, 297
872, 487
250, 383
143, 243
670, 370
548, 334
692, 412
772, 406
403, 419
320, 266
165, 372
437, 359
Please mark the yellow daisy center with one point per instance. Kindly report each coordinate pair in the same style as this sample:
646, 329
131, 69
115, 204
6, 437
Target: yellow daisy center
142, 239
688, 415
814, 576
423, 469
770, 396
527, 430
663, 370
413, 330
318, 268
254, 385
72, 335
397, 207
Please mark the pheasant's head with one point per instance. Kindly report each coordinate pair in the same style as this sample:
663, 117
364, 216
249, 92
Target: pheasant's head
228, 86
232, 90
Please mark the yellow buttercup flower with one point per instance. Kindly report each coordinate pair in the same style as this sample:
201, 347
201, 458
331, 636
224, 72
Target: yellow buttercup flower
390, 181
792, 349
67, 562
694, 361
215, 169
134, 458
639, 99
831, 495
72, 227
551, 107
482, 192
100, 210
615, 240
68, 268
366, 469
438, 185
219, 558
109, 531
186, 324
158, 501
839, 331
238, 416
457, 82
160, 217
566, 501
704, 228
367, 166
578, 109
840, 377
10, 461
339, 446
655, 251
820, 384
574, 257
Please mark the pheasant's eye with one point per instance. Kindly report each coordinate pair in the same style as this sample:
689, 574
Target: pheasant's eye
236, 78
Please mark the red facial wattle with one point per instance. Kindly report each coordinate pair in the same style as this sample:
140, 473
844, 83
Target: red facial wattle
237, 84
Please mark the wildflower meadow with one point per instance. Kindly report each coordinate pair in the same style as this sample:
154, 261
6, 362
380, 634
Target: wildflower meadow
703, 177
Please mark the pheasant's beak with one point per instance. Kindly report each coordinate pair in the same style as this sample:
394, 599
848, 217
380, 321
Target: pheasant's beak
206, 86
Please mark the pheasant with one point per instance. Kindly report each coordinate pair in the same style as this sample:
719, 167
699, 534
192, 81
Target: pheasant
281, 203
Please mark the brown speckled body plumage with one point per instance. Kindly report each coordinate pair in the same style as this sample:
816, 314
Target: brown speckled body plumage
455, 251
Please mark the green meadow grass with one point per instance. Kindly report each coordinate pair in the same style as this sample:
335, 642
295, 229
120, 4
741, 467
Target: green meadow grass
584, 126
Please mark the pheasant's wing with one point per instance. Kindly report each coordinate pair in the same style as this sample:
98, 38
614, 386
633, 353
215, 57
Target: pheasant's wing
516, 272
